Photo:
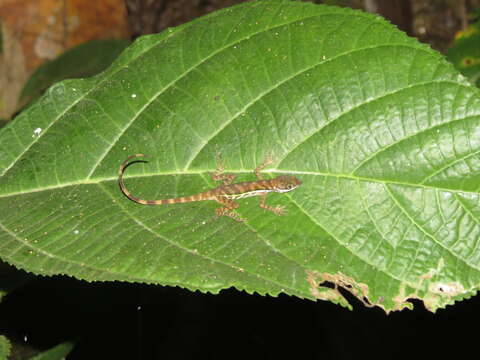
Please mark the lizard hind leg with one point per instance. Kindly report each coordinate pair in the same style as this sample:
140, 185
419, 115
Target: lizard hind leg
277, 210
228, 209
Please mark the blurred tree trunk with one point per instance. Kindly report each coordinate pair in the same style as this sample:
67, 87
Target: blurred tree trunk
151, 16
32, 32
399, 12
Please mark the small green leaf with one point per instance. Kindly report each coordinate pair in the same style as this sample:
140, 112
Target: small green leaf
5, 348
465, 53
58, 352
383, 132
11, 278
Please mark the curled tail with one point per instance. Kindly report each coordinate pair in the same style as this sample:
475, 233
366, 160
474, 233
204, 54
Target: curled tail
124, 189
198, 197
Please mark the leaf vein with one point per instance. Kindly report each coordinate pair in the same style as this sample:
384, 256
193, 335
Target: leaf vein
423, 230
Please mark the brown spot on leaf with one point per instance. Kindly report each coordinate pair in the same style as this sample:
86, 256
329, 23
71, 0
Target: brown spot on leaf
449, 289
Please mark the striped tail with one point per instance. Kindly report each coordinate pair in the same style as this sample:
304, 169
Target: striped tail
197, 197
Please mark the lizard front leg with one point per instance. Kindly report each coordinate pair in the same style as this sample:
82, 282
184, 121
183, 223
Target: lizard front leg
277, 210
228, 209
268, 161
218, 175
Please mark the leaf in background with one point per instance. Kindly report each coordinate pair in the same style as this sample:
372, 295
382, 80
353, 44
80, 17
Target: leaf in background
11, 278
5, 347
465, 53
85, 60
383, 132
58, 352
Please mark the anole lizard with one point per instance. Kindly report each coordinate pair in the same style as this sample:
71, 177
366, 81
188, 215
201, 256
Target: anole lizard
227, 193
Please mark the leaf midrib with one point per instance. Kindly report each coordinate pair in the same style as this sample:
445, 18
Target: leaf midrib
195, 154
215, 260
242, 172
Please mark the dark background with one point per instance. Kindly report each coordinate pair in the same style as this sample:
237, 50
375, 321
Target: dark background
136, 321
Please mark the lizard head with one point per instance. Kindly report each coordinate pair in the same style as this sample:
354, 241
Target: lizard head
285, 183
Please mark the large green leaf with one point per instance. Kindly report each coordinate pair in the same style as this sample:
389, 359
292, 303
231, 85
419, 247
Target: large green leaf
383, 132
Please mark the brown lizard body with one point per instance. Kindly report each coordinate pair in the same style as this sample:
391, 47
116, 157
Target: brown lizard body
227, 193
